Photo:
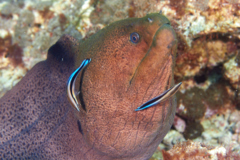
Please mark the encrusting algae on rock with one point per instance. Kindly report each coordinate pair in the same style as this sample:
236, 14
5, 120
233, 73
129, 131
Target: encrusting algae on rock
190, 150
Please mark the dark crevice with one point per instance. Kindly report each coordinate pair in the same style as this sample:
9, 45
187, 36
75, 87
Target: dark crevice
225, 37
200, 78
213, 75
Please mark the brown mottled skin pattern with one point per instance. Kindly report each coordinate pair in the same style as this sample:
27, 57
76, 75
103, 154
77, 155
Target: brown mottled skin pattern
38, 122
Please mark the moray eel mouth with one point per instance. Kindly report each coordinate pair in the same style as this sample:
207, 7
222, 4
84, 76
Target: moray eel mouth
152, 80
155, 43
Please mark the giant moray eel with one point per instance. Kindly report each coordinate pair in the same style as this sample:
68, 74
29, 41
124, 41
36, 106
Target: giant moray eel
107, 97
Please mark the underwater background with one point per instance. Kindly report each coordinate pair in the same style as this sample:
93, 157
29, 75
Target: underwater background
207, 122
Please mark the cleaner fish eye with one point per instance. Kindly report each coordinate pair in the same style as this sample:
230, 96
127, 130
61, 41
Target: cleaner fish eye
134, 37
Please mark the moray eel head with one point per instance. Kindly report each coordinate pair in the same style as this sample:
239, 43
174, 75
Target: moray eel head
132, 62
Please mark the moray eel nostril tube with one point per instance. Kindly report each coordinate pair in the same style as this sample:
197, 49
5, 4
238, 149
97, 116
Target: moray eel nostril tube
81, 102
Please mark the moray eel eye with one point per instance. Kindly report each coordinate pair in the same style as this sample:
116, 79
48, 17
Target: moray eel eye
134, 37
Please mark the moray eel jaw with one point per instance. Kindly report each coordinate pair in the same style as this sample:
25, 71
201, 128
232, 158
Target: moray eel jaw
132, 62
